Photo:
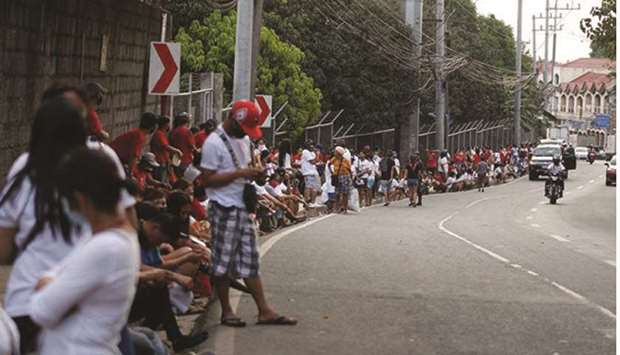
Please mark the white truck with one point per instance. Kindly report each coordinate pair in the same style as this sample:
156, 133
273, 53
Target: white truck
610, 146
560, 133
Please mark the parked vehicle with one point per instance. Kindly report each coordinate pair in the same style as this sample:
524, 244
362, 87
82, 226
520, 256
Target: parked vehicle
581, 153
610, 176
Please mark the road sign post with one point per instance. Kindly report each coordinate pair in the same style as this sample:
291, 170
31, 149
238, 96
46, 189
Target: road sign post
164, 68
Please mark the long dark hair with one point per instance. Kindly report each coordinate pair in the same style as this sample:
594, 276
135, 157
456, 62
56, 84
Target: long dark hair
283, 149
57, 129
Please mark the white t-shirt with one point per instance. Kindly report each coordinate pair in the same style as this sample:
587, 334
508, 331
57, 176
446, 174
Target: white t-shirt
287, 161
260, 190
46, 250
9, 336
308, 168
215, 156
85, 306
347, 154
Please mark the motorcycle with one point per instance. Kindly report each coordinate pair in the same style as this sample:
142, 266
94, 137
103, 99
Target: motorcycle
554, 188
591, 157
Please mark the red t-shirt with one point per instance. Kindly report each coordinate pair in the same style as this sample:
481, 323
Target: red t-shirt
94, 123
182, 139
459, 157
476, 159
129, 145
198, 211
141, 177
159, 146
431, 161
200, 138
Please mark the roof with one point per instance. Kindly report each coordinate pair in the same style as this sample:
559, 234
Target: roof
591, 63
588, 81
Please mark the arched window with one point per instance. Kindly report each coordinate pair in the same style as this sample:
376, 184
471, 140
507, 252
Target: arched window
579, 105
597, 103
588, 107
563, 103
556, 104
571, 104
556, 79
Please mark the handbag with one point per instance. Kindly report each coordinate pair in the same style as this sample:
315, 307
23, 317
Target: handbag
250, 197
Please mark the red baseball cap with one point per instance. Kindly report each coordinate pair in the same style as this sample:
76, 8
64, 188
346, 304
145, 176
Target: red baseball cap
246, 113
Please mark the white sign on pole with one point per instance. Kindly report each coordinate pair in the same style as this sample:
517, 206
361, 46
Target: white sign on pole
164, 68
265, 103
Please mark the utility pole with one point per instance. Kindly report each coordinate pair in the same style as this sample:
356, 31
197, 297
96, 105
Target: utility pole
440, 93
249, 13
535, 66
412, 10
545, 81
555, 29
517, 109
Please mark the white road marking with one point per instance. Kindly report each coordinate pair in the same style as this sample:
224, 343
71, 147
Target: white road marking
600, 176
558, 238
542, 202
534, 209
568, 192
535, 225
580, 187
591, 181
611, 262
504, 260
529, 217
266, 246
477, 202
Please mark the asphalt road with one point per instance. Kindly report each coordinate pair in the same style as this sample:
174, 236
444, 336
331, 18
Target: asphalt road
499, 272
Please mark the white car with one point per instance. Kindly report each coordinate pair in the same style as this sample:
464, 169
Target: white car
581, 153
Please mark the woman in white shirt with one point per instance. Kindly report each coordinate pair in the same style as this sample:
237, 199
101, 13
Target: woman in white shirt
285, 151
83, 303
33, 231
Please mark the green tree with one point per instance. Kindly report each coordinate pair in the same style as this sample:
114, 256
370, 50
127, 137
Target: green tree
602, 32
210, 45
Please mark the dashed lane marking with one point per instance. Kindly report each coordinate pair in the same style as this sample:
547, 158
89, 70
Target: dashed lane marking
529, 218
534, 209
611, 262
591, 181
535, 225
580, 187
558, 238
542, 202
532, 273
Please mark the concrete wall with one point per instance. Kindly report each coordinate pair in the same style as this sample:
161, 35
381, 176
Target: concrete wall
73, 41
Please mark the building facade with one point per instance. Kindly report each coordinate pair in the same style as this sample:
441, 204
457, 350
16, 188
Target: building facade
582, 90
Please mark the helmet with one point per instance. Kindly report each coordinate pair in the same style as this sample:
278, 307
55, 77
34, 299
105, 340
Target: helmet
556, 159
247, 115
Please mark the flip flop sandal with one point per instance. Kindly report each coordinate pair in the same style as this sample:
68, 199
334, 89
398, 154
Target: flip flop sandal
281, 320
233, 322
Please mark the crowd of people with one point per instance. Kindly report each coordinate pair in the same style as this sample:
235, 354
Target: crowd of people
111, 240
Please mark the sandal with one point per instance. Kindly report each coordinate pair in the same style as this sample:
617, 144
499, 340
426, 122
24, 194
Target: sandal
233, 322
280, 320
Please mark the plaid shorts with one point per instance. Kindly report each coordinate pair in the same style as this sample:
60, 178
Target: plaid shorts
235, 250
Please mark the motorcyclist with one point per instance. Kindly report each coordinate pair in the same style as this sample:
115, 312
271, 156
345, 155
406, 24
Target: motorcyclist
556, 168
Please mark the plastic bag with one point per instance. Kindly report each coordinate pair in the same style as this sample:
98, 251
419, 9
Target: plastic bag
354, 201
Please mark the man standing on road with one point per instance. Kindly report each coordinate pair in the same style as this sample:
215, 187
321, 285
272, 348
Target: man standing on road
387, 168
226, 163
310, 173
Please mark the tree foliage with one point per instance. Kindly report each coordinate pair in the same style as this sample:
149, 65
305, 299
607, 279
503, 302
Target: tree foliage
210, 45
602, 31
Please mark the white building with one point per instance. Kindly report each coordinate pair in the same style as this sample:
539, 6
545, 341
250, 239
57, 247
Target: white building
581, 92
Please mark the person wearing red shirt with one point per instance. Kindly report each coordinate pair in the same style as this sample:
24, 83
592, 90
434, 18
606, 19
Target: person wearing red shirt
129, 145
162, 148
144, 173
431, 160
202, 135
182, 138
93, 96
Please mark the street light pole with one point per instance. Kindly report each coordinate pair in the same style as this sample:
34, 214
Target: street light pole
249, 13
412, 10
